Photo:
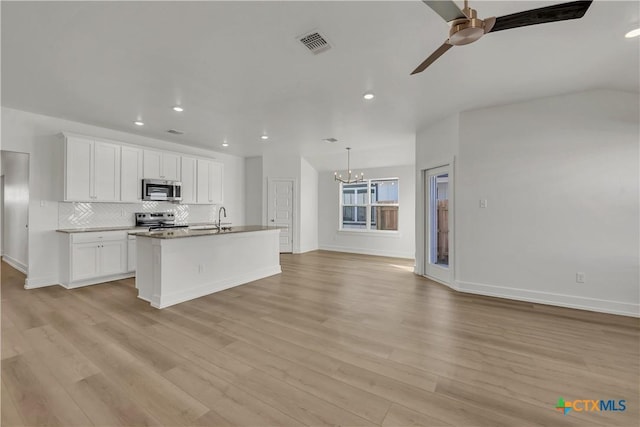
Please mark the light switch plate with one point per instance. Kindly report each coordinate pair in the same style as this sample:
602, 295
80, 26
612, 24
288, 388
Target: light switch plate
483, 203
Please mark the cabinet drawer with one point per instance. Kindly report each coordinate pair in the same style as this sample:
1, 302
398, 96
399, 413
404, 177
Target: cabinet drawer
98, 236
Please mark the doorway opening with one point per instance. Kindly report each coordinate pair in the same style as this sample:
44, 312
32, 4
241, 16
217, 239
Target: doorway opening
15, 209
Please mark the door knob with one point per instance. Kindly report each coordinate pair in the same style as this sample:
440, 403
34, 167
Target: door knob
273, 220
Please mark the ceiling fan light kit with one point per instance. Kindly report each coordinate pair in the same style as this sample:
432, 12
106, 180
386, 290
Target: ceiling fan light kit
467, 28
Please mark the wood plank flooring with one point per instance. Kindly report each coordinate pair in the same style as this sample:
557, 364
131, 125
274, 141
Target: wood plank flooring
336, 339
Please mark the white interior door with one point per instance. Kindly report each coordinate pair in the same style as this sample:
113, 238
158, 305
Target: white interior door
439, 219
280, 211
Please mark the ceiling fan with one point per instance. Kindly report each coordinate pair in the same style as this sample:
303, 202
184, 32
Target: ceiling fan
466, 27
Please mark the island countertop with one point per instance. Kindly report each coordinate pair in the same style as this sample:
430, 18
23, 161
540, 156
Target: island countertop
129, 228
177, 233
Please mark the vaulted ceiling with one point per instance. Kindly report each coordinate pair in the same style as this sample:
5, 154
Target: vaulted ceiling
239, 70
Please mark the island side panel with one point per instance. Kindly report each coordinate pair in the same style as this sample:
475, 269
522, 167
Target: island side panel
145, 267
192, 267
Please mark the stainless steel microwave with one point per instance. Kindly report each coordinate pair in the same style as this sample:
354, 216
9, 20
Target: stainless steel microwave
160, 190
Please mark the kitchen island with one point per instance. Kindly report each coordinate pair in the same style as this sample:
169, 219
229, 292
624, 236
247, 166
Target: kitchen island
179, 265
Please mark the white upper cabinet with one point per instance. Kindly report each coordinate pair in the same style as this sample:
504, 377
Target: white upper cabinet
92, 170
152, 164
97, 170
161, 165
78, 159
216, 175
210, 182
131, 174
188, 177
171, 166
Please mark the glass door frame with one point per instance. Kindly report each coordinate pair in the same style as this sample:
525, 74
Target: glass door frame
434, 271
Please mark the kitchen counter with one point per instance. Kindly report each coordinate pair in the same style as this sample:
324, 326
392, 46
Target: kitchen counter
172, 269
130, 228
176, 233
98, 229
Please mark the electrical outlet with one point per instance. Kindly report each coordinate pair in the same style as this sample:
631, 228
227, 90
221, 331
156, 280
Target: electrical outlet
580, 277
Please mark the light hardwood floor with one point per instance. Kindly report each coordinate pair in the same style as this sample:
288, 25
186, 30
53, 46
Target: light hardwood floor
335, 339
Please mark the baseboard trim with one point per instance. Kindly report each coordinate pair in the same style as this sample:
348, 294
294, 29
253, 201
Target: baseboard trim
442, 282
209, 288
40, 282
97, 281
362, 251
549, 298
22, 268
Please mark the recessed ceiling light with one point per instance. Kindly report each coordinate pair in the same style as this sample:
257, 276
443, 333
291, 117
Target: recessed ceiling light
225, 144
138, 123
178, 108
633, 33
368, 96
264, 137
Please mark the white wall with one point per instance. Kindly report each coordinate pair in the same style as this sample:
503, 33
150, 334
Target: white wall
400, 245
561, 178
15, 168
39, 136
308, 207
253, 190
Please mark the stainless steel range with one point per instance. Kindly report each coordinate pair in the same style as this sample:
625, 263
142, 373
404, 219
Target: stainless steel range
157, 220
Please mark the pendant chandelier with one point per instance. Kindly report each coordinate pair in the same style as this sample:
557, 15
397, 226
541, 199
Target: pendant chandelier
349, 179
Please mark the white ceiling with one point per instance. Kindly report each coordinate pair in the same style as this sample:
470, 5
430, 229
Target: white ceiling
239, 71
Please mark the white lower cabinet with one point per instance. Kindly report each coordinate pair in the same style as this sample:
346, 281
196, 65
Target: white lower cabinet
112, 258
84, 261
94, 257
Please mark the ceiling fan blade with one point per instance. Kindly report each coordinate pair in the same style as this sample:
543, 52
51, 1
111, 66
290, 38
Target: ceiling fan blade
432, 58
447, 9
557, 12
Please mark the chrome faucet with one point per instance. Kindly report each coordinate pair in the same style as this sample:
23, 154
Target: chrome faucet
222, 209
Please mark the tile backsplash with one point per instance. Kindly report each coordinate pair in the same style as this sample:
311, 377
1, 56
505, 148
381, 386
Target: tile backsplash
80, 214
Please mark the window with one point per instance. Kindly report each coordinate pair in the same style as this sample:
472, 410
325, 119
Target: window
370, 205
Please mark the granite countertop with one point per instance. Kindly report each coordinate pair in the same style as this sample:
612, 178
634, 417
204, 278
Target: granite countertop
130, 228
94, 229
177, 233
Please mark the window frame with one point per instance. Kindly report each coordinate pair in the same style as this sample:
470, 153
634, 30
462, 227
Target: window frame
368, 208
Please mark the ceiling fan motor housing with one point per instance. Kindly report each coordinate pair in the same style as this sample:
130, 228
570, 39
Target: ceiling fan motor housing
466, 30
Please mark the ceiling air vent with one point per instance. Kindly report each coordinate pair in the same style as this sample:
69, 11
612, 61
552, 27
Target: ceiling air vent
315, 42
330, 140
175, 132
